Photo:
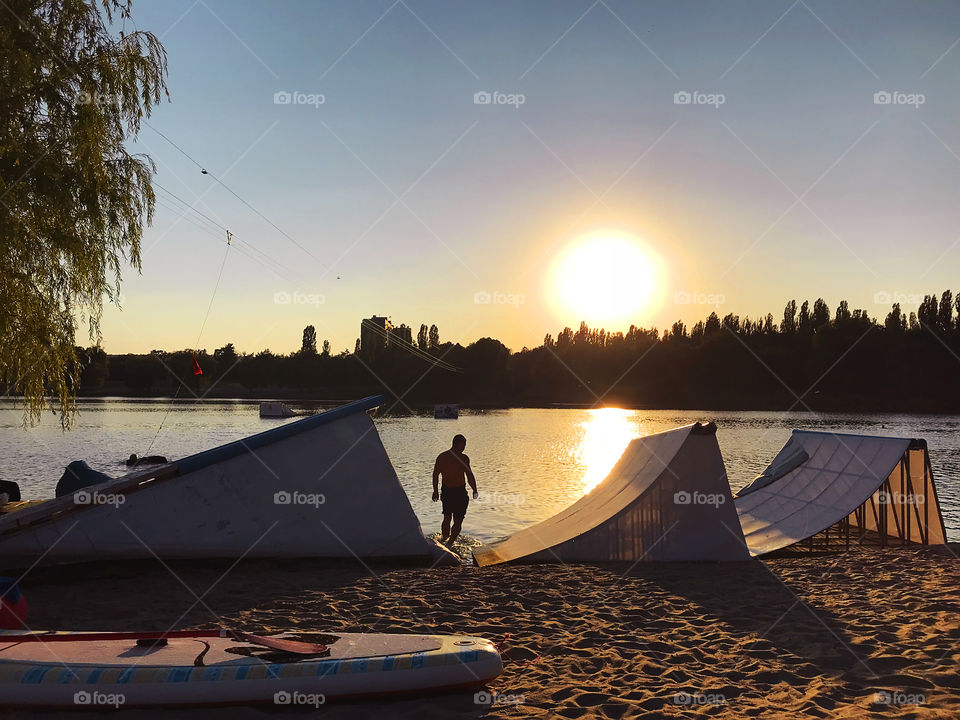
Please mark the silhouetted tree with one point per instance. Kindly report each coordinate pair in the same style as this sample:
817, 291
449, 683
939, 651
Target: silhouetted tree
945, 313
225, 356
696, 334
731, 322
326, 348
821, 314
309, 345
895, 320
789, 324
847, 356
423, 338
434, 337
712, 326
94, 368
843, 312
804, 325
769, 327
928, 311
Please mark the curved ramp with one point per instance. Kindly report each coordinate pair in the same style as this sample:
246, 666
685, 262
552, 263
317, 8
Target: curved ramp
667, 499
878, 484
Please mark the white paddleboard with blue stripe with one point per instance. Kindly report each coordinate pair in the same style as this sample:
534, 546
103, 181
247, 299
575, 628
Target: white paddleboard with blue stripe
134, 670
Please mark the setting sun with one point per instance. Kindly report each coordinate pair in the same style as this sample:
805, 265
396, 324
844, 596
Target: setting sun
605, 279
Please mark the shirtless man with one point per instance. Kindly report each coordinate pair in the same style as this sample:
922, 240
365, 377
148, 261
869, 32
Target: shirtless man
454, 466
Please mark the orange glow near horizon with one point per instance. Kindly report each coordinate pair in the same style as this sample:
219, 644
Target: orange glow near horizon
607, 279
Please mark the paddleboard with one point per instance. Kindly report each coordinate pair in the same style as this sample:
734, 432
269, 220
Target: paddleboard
112, 670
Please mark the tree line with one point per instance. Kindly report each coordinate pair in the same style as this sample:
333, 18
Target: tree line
808, 358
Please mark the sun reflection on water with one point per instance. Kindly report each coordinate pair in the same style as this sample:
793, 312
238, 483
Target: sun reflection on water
607, 432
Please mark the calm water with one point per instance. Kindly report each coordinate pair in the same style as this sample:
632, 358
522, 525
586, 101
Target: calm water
529, 463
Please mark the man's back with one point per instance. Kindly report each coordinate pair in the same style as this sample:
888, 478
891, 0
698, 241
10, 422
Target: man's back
452, 468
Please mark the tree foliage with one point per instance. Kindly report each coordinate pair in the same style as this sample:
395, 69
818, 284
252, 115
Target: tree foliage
74, 200
848, 361
308, 346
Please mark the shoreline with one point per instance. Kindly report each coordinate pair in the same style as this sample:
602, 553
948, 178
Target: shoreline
427, 407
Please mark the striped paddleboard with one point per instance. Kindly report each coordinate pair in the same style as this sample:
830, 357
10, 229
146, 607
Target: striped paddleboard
109, 670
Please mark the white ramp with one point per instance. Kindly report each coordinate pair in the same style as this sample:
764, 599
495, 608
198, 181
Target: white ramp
879, 484
667, 499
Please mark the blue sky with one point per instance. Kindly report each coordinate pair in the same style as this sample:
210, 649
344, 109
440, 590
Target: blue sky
794, 183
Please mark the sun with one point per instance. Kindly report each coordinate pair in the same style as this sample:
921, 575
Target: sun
605, 279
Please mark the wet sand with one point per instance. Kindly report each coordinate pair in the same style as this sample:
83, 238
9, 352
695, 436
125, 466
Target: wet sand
861, 634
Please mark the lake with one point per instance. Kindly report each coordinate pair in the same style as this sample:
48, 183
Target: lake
529, 463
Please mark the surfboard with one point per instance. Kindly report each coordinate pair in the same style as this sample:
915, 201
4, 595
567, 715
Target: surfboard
111, 670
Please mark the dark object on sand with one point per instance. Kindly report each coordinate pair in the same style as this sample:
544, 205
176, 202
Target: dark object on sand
11, 490
134, 461
13, 605
79, 475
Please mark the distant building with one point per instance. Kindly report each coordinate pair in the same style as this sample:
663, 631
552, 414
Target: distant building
403, 333
374, 335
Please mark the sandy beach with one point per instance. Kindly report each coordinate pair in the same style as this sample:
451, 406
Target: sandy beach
868, 632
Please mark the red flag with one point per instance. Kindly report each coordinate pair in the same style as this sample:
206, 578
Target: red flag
196, 367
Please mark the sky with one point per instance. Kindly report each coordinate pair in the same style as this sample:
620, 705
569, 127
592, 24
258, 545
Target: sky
471, 165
